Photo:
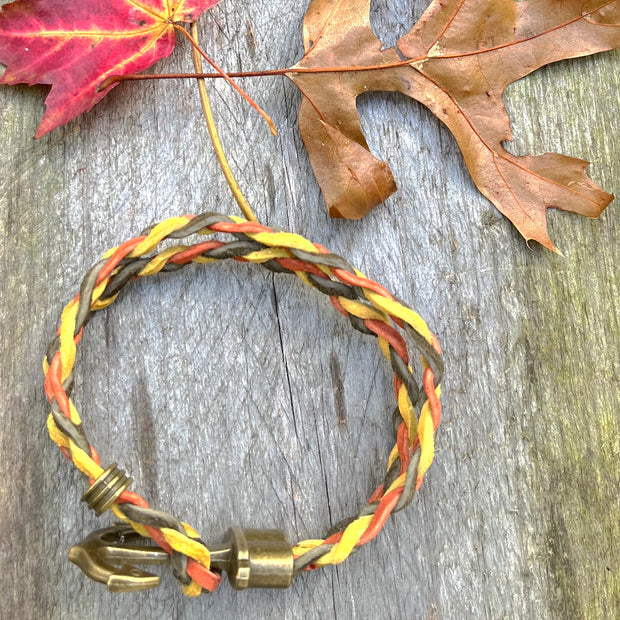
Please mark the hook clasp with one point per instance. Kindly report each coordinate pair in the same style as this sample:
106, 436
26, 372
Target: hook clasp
252, 558
108, 556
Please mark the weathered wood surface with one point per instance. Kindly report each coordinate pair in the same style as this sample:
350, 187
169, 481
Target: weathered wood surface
235, 397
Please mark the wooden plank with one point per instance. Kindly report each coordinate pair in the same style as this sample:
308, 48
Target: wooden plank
236, 397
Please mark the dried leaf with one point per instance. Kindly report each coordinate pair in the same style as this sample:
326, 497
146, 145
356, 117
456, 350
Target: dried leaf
74, 46
457, 60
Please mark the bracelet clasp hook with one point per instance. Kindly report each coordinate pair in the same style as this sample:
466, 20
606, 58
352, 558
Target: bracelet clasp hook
252, 558
108, 556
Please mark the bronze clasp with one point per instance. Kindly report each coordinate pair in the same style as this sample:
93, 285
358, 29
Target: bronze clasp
108, 556
255, 558
252, 559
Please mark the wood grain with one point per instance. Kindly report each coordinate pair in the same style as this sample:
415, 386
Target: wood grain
236, 397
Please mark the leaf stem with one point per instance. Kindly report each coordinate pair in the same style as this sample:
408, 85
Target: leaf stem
225, 76
248, 74
215, 139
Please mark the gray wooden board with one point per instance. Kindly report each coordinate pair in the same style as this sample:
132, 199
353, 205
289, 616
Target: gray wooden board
236, 397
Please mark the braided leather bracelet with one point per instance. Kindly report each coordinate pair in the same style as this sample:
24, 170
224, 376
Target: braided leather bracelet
252, 558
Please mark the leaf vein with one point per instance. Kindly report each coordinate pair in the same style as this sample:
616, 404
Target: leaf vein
583, 16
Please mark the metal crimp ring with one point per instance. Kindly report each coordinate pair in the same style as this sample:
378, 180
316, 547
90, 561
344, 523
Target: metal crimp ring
106, 489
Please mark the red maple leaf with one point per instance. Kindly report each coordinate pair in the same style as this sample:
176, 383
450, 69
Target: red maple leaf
74, 46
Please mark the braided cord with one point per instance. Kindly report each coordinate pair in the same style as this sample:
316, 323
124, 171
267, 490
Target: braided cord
369, 308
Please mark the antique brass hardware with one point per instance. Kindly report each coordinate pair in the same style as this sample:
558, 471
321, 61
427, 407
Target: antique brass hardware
106, 489
255, 559
108, 556
252, 559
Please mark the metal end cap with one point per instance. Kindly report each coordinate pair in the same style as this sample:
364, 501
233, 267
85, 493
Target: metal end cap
106, 489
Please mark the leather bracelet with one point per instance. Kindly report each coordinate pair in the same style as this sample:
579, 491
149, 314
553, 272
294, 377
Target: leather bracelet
252, 558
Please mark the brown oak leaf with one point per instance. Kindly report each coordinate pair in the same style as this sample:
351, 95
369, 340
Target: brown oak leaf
457, 60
